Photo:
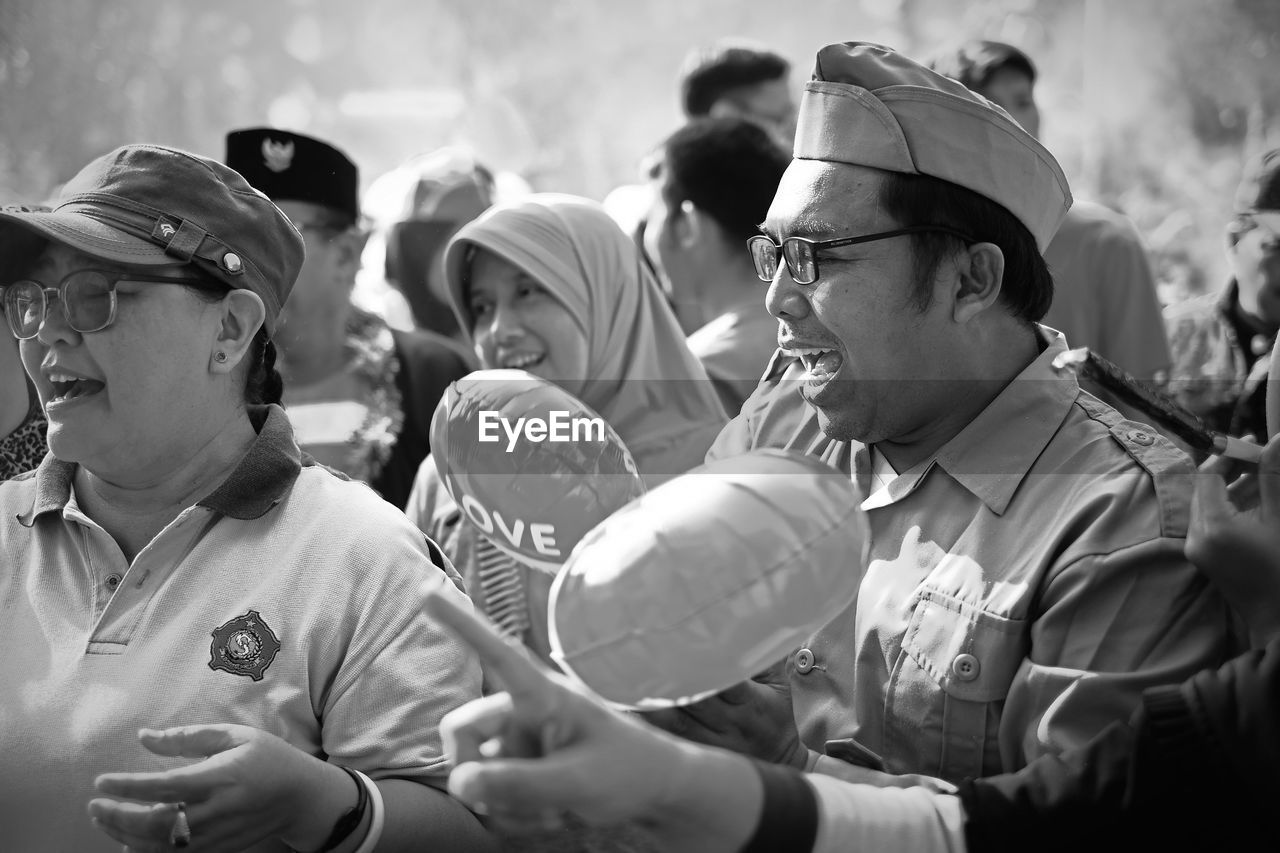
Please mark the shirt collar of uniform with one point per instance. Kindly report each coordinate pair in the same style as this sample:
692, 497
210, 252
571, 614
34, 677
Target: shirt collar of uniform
991, 456
258, 483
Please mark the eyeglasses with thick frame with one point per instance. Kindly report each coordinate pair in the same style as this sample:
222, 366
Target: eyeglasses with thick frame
801, 253
87, 297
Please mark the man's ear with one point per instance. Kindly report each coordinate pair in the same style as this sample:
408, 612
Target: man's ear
690, 226
348, 248
979, 278
1231, 236
242, 315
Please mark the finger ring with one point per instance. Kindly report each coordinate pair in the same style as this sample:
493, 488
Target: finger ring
180, 835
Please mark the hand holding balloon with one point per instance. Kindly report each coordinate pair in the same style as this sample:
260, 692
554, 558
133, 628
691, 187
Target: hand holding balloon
1235, 539
709, 579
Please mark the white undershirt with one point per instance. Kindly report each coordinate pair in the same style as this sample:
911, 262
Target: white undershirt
882, 475
894, 820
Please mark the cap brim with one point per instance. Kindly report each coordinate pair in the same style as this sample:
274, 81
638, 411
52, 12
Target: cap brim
85, 234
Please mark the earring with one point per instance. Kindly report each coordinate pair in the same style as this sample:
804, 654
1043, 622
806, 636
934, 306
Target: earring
219, 357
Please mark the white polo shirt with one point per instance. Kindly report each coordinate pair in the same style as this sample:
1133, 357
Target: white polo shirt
284, 554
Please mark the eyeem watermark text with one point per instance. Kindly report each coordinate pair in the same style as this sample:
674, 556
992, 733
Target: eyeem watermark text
559, 427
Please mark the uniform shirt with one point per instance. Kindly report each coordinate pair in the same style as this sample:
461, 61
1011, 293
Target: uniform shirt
1219, 370
1104, 295
735, 348
1024, 585
283, 552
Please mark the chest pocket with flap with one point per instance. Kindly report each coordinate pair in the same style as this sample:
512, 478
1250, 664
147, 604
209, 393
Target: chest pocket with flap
953, 675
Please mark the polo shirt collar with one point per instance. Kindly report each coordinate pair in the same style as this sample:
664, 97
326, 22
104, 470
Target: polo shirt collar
259, 481
992, 455
267, 471
53, 488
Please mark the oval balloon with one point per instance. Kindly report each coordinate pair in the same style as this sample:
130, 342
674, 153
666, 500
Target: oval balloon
708, 579
529, 464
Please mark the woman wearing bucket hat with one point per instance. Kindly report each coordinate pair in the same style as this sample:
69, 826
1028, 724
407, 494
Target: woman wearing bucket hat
212, 639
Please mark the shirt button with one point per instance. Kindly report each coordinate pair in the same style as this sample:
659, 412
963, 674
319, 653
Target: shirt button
1142, 437
113, 581
804, 661
966, 667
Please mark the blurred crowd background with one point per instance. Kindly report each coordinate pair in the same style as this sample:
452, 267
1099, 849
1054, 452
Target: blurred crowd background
1152, 106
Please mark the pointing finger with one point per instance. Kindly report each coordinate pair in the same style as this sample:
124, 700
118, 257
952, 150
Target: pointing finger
512, 666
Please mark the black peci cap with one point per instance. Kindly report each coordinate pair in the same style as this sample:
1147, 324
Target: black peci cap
289, 166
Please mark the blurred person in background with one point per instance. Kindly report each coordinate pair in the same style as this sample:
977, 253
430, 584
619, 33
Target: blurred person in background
712, 184
22, 423
215, 639
1221, 341
360, 394
1104, 293
415, 209
734, 78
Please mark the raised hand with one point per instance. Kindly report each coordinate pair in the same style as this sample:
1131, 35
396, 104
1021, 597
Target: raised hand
1234, 538
753, 717
545, 747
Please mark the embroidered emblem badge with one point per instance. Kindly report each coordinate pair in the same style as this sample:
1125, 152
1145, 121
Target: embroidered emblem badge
165, 228
277, 156
244, 646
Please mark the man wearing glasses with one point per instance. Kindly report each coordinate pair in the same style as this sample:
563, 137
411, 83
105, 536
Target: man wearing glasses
360, 395
1221, 341
1025, 579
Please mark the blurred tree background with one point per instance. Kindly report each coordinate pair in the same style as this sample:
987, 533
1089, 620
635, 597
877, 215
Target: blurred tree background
1151, 105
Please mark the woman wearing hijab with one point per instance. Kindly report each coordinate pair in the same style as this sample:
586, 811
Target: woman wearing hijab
550, 285
212, 641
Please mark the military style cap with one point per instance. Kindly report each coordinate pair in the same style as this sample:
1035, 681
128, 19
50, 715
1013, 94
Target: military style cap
868, 105
149, 205
292, 167
1259, 192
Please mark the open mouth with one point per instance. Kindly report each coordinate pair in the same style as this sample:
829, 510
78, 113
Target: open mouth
820, 364
67, 387
521, 361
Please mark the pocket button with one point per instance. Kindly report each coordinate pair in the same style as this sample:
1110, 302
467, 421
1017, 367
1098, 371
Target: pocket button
966, 667
1141, 437
804, 661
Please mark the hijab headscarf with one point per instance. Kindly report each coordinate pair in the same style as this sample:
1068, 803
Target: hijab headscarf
641, 377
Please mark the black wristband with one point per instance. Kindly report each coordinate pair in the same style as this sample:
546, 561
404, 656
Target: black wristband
789, 816
350, 819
